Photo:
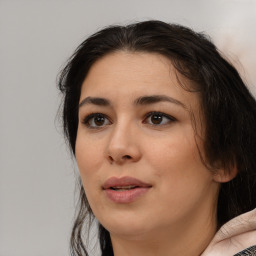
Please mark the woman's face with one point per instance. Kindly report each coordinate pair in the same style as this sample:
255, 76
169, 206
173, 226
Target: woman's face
136, 148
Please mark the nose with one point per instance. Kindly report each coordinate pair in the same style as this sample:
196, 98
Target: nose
123, 145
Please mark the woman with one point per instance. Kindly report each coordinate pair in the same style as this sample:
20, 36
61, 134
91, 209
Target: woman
163, 132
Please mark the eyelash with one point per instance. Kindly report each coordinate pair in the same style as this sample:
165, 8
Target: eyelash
88, 118
162, 115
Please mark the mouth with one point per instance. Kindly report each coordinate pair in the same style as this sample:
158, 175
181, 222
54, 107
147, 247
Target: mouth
124, 183
125, 189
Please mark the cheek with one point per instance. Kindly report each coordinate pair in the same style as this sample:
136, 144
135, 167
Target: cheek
178, 167
89, 160
177, 153
89, 157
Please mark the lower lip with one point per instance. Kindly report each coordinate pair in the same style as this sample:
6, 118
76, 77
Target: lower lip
126, 196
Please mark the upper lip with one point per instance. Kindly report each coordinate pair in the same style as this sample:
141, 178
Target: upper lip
124, 181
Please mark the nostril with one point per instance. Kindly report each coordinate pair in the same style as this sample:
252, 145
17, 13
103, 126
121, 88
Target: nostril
111, 158
127, 157
118, 158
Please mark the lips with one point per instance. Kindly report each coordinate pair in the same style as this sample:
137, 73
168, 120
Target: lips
124, 182
125, 189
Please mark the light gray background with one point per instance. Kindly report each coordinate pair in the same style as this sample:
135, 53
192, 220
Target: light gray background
37, 174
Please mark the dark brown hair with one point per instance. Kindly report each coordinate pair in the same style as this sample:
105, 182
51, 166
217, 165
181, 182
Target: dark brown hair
227, 107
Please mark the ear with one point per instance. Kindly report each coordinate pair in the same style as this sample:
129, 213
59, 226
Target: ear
223, 176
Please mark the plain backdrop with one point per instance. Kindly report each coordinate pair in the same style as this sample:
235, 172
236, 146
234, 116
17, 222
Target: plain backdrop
37, 172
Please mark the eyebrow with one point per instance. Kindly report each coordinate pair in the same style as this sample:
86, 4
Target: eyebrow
94, 101
144, 100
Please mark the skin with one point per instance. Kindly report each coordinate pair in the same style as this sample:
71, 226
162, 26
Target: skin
177, 216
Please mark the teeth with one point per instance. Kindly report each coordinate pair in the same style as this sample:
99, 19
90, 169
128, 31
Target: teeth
123, 188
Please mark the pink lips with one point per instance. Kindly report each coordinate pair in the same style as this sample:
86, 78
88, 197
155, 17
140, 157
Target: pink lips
125, 189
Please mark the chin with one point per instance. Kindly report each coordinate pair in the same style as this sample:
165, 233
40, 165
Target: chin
127, 226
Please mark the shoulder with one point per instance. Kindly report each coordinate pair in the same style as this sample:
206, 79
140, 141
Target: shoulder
236, 237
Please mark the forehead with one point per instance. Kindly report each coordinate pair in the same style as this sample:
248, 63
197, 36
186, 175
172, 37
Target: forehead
136, 73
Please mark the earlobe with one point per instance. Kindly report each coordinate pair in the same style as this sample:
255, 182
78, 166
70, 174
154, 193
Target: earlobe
223, 176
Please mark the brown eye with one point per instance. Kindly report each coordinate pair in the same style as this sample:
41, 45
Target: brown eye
158, 118
96, 120
99, 120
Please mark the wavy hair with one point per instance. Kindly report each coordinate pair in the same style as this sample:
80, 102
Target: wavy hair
228, 109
